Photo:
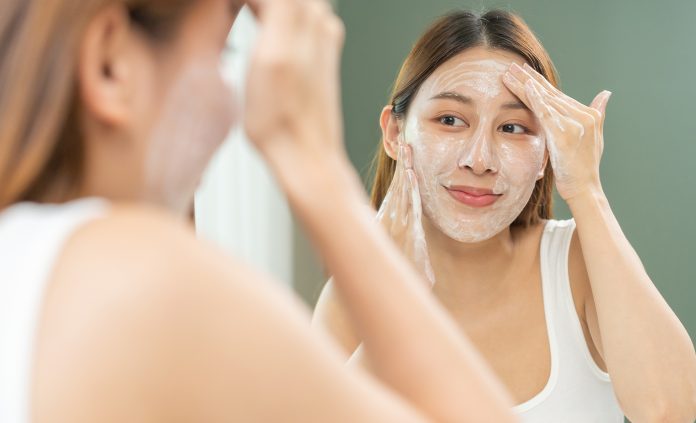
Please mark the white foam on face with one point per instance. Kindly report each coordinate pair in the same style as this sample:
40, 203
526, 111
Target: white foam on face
480, 156
194, 121
482, 76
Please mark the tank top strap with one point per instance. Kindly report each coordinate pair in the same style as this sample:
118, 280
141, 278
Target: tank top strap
554, 249
31, 239
572, 347
577, 390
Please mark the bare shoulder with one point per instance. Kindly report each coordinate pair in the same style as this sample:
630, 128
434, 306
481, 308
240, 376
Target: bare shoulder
131, 295
142, 322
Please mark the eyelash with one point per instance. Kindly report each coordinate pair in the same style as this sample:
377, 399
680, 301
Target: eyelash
441, 118
525, 130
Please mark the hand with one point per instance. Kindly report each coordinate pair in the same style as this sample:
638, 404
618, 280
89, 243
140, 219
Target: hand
292, 92
400, 213
574, 132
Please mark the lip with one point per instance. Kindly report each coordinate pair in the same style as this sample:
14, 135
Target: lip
472, 196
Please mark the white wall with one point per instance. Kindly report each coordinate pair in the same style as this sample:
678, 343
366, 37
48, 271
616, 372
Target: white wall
238, 205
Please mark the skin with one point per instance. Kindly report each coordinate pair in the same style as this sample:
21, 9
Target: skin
493, 290
143, 322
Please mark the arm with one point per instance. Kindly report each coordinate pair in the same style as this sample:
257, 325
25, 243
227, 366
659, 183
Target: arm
412, 344
646, 348
647, 351
400, 215
391, 308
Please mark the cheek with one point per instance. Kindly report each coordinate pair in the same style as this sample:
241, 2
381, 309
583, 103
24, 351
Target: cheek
432, 159
432, 153
522, 162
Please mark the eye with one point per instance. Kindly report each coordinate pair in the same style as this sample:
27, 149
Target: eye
449, 120
513, 128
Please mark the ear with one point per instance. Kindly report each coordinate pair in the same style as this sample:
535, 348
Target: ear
104, 67
391, 131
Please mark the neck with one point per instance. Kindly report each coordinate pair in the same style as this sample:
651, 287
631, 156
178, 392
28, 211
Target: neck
469, 271
112, 170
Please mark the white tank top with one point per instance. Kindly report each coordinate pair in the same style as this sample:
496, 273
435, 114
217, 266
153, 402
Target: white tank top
577, 390
31, 238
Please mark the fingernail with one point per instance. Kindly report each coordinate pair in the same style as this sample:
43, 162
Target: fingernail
605, 100
514, 67
509, 78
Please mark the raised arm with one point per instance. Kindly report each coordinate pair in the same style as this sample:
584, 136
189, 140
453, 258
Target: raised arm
647, 350
412, 344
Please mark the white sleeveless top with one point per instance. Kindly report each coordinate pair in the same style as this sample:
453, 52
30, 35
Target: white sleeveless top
31, 238
577, 390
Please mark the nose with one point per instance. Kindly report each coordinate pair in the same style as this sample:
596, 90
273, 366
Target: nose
479, 155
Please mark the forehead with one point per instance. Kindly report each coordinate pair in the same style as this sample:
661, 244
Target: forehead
478, 63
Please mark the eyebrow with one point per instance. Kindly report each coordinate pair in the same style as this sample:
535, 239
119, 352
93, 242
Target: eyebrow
451, 95
514, 105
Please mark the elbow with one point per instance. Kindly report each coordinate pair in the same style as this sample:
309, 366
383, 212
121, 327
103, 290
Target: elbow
668, 411
672, 401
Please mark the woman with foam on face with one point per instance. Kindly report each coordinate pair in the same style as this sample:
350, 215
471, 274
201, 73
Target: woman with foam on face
112, 311
563, 311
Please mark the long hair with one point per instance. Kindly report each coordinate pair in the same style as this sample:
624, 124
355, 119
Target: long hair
41, 148
447, 37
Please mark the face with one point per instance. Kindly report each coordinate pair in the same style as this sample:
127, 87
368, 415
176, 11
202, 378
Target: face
195, 109
477, 150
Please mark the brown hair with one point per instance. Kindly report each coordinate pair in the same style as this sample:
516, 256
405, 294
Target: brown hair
41, 150
444, 39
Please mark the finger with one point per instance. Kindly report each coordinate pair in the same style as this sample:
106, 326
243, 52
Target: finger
547, 114
401, 193
398, 179
420, 248
278, 29
558, 103
420, 252
600, 101
407, 156
414, 194
581, 117
316, 13
531, 73
388, 209
576, 114
600, 104
516, 87
422, 258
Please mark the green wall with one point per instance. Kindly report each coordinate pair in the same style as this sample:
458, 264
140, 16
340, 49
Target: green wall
643, 51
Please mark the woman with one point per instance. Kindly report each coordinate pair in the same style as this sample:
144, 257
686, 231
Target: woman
475, 131
111, 310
